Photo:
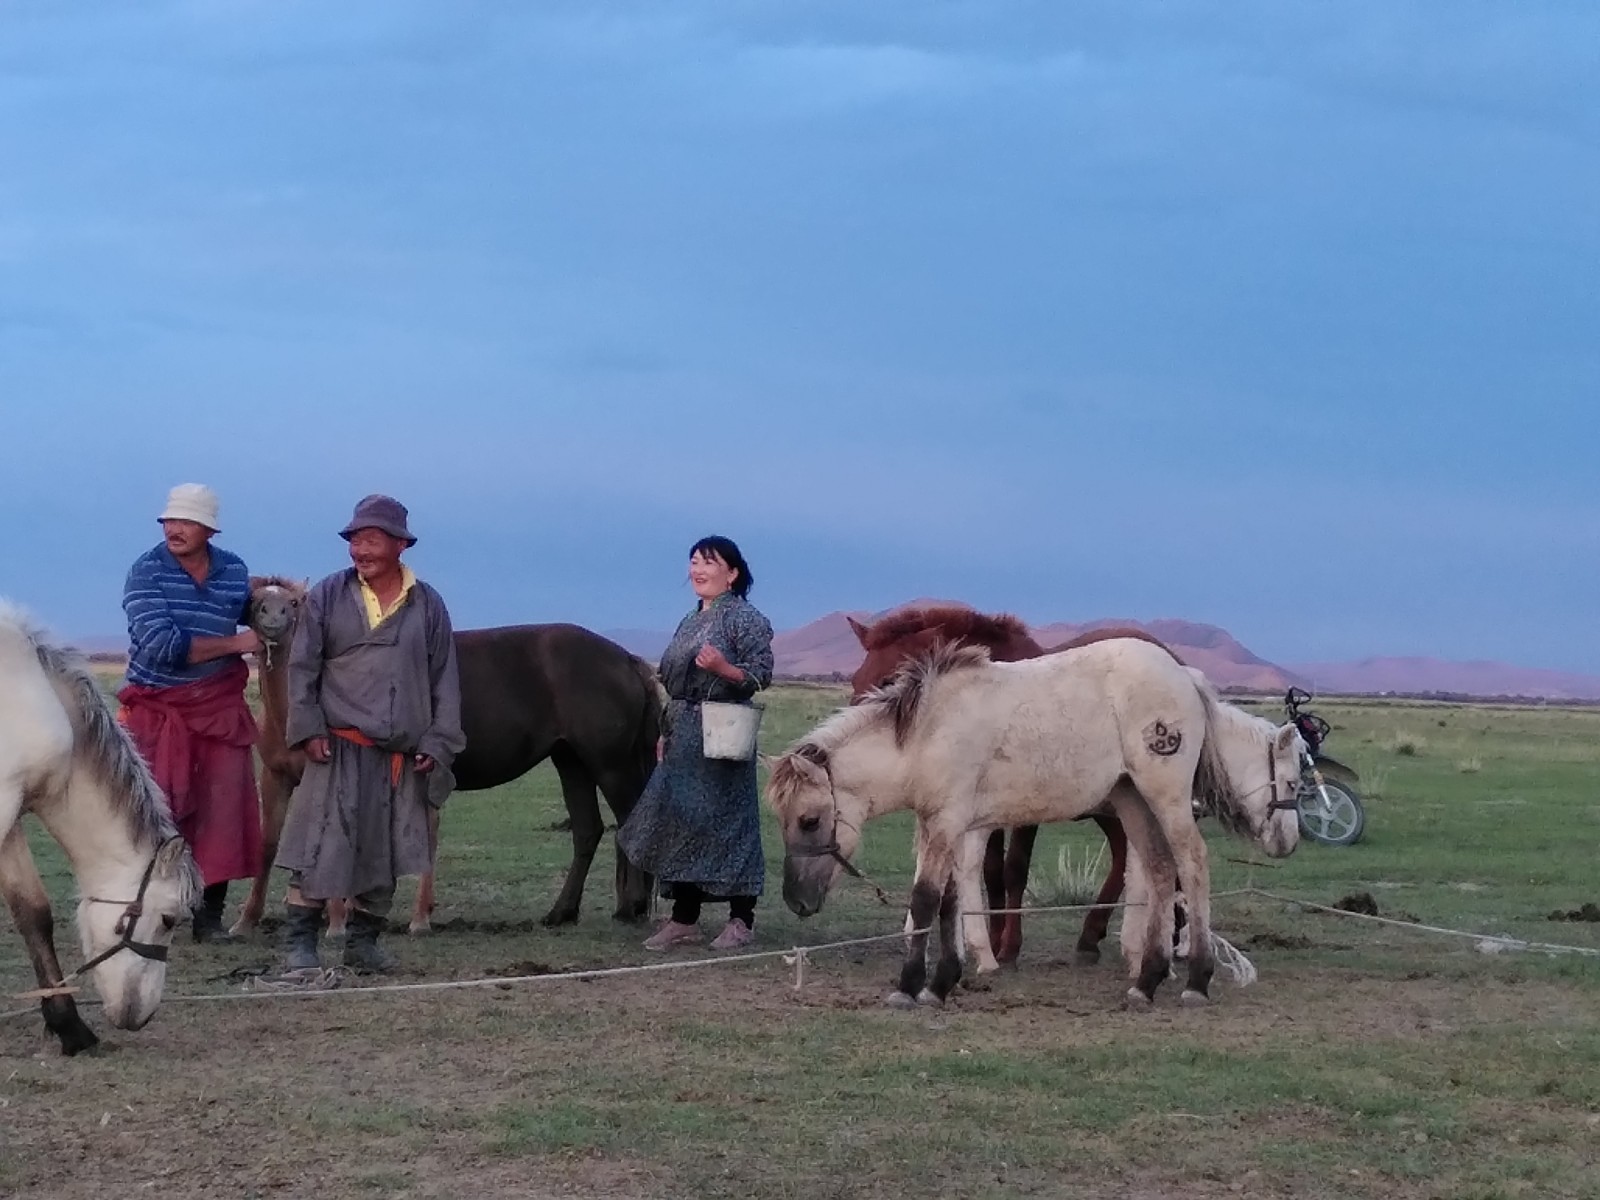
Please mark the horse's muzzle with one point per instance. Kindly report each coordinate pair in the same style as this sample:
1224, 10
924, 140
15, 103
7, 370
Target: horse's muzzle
805, 884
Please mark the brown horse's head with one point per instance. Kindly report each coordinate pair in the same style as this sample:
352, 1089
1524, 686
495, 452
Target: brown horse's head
914, 632
275, 607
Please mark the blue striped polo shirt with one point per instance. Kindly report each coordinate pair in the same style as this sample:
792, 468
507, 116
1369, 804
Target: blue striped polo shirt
166, 608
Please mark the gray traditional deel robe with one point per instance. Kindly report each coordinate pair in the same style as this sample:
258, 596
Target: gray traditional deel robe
349, 829
699, 819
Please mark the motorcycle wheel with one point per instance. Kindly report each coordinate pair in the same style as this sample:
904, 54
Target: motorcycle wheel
1340, 823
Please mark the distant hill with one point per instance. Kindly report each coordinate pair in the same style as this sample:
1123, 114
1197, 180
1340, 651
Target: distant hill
827, 648
1226, 662
1412, 676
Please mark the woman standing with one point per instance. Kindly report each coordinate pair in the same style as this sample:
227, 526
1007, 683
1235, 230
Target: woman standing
697, 827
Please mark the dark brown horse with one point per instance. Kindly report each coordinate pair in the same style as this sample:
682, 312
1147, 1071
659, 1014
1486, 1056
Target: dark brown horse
914, 631
528, 693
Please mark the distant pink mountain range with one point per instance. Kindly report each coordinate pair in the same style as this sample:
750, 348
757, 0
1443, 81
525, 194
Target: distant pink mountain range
828, 647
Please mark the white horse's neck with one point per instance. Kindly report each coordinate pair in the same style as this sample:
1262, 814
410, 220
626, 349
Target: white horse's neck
105, 858
870, 768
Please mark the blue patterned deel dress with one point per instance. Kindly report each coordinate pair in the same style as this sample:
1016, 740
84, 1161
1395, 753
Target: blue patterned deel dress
699, 819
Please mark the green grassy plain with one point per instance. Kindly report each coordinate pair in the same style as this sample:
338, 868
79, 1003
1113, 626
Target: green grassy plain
1367, 1061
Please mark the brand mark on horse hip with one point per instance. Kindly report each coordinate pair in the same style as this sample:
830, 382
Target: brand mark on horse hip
1161, 739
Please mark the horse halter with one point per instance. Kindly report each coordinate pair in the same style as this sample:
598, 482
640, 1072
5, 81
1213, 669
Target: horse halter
128, 922
1288, 804
831, 850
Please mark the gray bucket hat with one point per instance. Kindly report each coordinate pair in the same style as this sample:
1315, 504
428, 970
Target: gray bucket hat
380, 512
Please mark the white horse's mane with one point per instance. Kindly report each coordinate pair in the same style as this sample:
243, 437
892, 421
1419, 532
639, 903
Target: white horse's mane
1213, 783
106, 746
898, 702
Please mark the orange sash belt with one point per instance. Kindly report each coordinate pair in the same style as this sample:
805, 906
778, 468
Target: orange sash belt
397, 761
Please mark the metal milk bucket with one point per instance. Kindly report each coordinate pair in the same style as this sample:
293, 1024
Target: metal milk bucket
729, 730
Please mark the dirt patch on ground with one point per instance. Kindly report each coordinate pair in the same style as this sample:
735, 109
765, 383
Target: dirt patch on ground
677, 1083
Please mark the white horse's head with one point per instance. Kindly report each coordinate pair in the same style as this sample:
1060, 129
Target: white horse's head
130, 931
821, 824
1256, 791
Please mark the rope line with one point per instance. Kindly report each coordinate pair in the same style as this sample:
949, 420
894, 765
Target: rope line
799, 956
1442, 930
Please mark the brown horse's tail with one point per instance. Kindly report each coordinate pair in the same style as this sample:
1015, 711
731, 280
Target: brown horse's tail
651, 719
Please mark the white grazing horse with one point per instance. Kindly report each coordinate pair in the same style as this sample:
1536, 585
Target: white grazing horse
64, 758
1257, 758
970, 745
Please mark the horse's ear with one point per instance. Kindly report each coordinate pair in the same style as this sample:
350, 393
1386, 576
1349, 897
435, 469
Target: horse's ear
1286, 736
860, 630
171, 854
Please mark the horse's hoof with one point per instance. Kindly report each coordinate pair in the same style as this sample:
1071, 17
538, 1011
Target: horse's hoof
1085, 958
928, 1000
901, 1001
420, 928
78, 1040
1193, 999
558, 916
243, 928
1137, 1001
992, 967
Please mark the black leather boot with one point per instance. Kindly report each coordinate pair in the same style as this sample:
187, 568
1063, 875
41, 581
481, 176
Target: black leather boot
361, 949
301, 925
208, 926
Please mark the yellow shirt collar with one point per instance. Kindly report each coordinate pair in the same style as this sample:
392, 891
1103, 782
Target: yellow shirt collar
377, 614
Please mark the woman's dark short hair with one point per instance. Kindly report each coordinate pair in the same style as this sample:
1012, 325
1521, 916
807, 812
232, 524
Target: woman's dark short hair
728, 551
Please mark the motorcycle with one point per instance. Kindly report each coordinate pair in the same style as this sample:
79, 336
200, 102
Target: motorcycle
1331, 811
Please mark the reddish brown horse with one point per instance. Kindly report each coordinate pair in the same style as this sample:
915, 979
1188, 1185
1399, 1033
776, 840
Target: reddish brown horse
913, 631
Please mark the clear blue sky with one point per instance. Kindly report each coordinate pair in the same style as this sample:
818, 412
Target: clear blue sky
1284, 317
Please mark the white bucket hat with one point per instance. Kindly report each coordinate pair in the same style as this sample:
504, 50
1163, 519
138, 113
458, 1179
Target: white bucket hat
192, 502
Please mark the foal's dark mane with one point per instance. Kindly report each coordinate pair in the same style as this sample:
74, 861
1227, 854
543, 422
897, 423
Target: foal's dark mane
898, 702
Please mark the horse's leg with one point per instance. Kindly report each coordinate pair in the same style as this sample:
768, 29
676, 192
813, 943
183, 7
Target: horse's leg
1098, 922
1152, 961
1176, 818
948, 971
1019, 858
583, 806
274, 807
422, 910
30, 912
969, 896
339, 915
994, 884
934, 869
633, 884
1136, 912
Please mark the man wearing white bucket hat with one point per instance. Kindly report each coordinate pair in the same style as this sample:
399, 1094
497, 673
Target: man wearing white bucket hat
184, 700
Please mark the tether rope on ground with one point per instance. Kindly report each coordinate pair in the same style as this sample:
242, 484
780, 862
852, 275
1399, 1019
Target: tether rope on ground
1442, 930
798, 956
